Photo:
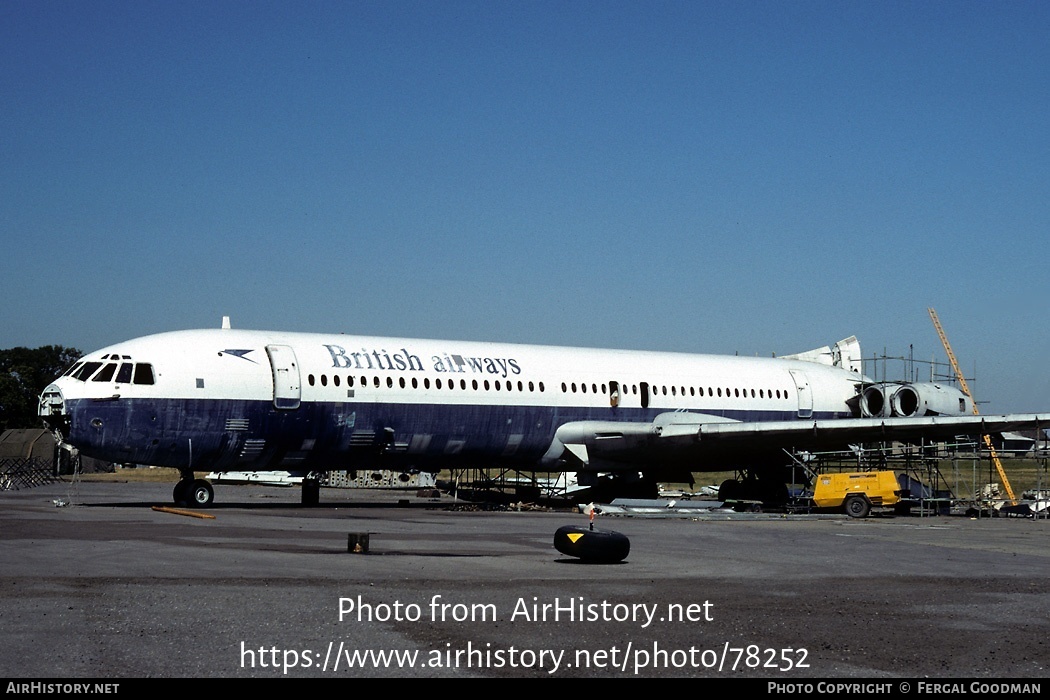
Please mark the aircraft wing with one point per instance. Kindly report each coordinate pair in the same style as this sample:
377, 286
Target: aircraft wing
809, 434
685, 437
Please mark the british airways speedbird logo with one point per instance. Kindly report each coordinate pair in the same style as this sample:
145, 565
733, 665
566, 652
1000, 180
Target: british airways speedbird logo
241, 354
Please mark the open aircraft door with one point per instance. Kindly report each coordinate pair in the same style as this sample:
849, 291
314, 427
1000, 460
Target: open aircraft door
805, 394
286, 382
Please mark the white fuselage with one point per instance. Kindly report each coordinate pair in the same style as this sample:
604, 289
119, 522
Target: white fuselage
237, 399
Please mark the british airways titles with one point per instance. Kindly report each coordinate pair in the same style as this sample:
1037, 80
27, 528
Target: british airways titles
406, 361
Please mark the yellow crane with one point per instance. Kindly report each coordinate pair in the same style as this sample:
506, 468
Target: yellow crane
966, 390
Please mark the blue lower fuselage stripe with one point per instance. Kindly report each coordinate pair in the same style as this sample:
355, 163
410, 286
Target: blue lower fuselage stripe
214, 435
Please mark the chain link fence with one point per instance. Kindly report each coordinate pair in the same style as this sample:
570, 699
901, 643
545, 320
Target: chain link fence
24, 473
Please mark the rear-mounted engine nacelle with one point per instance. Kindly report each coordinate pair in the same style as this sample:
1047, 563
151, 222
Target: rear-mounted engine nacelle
908, 400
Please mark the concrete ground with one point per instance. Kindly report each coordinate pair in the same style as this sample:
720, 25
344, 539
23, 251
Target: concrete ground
96, 583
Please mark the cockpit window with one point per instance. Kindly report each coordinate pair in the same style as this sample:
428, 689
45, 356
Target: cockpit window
124, 373
106, 373
143, 373
71, 370
86, 370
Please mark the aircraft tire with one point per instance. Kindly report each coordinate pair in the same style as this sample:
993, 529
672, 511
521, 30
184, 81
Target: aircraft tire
774, 494
201, 494
730, 490
598, 546
857, 507
180, 495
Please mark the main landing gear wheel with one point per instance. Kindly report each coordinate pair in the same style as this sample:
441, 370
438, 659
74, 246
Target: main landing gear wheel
770, 491
730, 490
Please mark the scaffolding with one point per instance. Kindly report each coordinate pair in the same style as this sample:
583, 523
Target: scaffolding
503, 485
918, 470
969, 470
947, 478
955, 476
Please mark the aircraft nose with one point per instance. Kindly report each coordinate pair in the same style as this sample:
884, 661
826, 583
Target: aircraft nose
52, 408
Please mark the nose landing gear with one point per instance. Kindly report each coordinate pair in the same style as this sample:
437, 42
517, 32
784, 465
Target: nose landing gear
193, 492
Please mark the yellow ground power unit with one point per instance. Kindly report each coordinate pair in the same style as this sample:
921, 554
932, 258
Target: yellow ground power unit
857, 493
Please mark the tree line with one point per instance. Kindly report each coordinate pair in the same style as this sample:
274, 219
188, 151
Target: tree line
24, 372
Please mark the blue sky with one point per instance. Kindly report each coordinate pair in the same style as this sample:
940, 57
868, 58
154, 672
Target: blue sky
732, 177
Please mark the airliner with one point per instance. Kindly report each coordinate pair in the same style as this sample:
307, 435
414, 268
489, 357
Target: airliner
226, 399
